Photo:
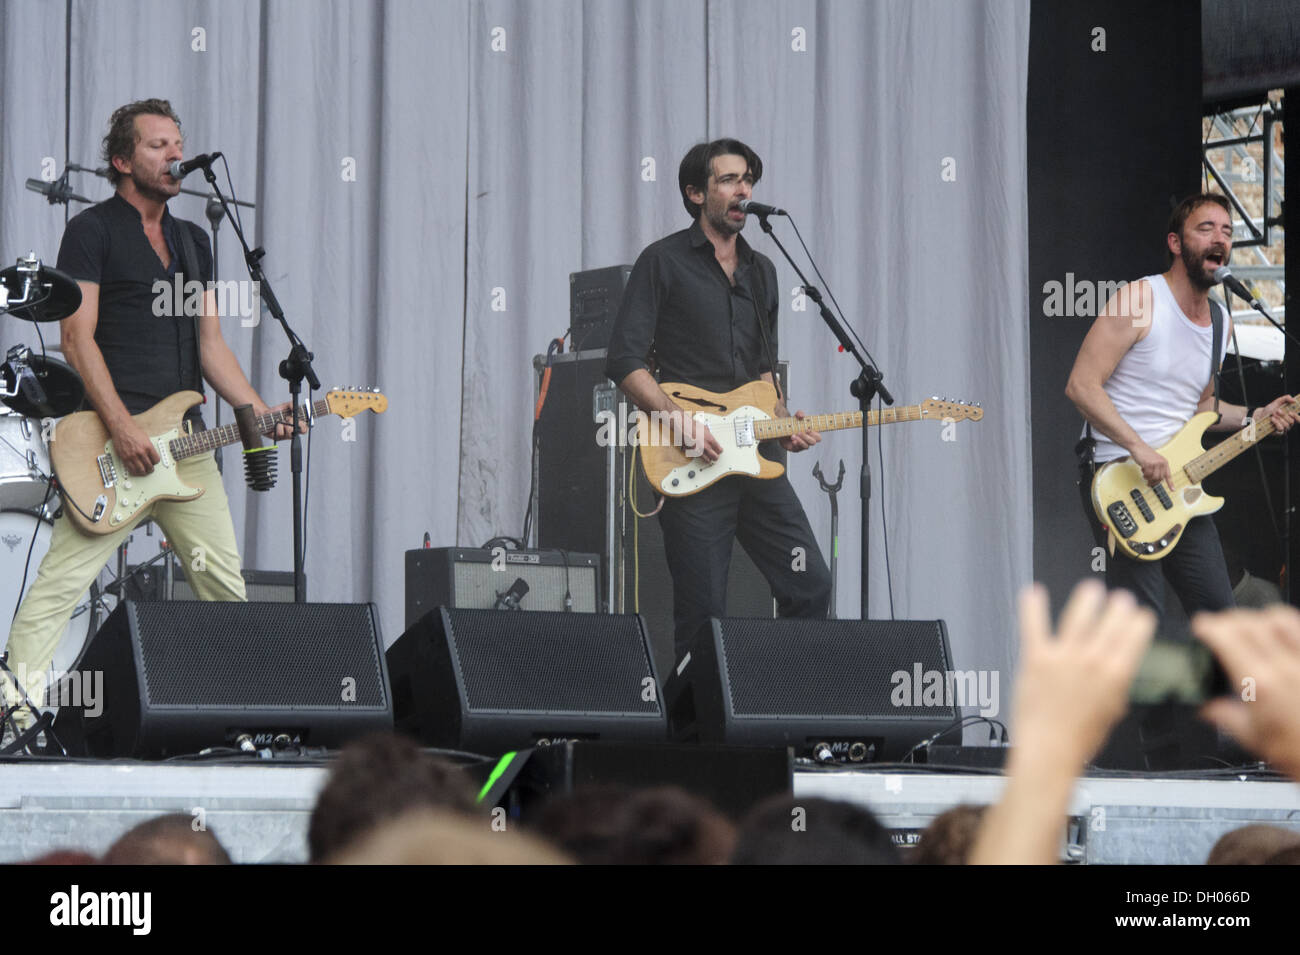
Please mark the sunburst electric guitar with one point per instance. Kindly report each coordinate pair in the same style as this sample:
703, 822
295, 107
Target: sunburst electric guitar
105, 497
1147, 522
742, 418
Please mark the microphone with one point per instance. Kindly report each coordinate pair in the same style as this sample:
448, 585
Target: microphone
179, 170
1224, 274
510, 599
760, 208
57, 192
259, 461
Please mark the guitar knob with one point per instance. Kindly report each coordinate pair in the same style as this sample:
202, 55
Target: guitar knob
675, 482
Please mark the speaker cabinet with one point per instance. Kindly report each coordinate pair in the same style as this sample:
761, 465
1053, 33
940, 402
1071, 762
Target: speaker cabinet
179, 676
835, 690
492, 680
473, 579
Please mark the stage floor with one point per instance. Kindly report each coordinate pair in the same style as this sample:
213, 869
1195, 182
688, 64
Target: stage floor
260, 811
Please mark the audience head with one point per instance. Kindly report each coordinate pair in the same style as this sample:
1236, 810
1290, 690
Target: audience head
168, 840
949, 837
787, 830
1252, 845
439, 837
378, 778
610, 825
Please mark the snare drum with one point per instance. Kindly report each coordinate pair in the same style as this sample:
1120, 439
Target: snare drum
17, 528
24, 463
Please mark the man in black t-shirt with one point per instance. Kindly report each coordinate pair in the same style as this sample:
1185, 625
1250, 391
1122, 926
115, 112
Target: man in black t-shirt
132, 351
705, 304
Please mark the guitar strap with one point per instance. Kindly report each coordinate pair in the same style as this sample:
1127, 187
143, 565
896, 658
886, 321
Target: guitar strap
1086, 445
190, 265
1216, 319
762, 328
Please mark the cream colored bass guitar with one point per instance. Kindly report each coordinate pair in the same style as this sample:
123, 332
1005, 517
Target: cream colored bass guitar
1147, 522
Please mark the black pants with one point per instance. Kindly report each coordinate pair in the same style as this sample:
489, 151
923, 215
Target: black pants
771, 525
1195, 567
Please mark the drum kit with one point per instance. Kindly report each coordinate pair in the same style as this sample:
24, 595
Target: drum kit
36, 389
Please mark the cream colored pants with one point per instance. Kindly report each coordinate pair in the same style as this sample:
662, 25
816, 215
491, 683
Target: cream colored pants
200, 533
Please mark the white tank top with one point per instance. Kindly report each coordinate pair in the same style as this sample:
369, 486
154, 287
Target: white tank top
1158, 383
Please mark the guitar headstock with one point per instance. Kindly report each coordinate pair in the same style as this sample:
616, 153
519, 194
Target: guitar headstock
348, 402
940, 408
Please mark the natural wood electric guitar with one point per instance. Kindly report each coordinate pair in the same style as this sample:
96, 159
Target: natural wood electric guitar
1147, 522
742, 418
105, 497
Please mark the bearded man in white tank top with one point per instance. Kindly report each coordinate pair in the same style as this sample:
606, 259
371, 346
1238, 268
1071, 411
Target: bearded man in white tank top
1141, 374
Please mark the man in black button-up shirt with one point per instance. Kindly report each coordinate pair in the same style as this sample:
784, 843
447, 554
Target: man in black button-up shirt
703, 305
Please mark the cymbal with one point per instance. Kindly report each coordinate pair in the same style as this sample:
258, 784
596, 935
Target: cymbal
64, 390
39, 293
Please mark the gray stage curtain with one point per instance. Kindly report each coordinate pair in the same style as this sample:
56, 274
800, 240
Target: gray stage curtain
428, 174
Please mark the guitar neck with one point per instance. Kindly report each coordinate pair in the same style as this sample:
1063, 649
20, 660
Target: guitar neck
213, 438
1202, 466
784, 427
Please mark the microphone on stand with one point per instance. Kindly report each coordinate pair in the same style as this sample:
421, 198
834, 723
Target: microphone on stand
57, 192
760, 208
259, 461
179, 170
1224, 274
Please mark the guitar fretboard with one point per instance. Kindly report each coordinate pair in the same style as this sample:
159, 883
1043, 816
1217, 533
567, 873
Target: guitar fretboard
1202, 466
784, 427
191, 444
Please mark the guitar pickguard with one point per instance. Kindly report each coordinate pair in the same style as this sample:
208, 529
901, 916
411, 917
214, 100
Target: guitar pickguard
135, 491
735, 432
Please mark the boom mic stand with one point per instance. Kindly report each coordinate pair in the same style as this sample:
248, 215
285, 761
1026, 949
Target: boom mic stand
865, 387
294, 369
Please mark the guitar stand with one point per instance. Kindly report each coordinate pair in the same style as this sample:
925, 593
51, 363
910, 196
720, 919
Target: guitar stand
832, 490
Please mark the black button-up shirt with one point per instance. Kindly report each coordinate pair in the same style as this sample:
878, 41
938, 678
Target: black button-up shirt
679, 310
148, 355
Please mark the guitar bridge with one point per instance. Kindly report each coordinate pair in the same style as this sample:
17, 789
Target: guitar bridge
1122, 520
107, 473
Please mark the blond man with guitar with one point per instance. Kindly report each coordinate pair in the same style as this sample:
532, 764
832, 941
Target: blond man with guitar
130, 358
1143, 373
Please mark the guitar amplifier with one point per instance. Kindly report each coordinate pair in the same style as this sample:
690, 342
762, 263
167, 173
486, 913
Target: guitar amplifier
474, 579
594, 299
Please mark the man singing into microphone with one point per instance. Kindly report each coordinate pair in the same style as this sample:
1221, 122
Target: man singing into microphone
131, 354
702, 305
1141, 374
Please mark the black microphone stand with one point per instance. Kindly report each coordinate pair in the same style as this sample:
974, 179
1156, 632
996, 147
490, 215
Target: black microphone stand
865, 387
293, 369
215, 214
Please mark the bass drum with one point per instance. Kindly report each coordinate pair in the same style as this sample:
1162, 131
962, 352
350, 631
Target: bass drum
17, 529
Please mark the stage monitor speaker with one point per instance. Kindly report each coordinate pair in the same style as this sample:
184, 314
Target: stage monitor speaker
492, 680
834, 690
734, 779
180, 676
474, 579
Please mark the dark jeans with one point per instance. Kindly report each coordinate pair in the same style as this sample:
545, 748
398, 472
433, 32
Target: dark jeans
1195, 567
770, 523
